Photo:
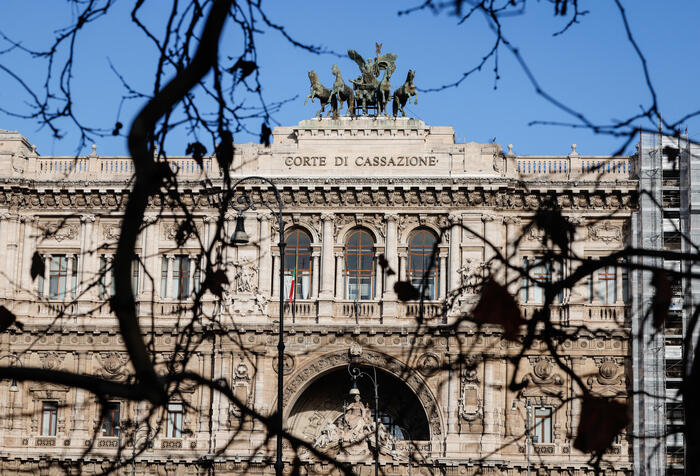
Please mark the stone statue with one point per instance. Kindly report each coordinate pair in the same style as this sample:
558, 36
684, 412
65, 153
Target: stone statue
353, 431
329, 436
357, 419
341, 93
404, 93
319, 91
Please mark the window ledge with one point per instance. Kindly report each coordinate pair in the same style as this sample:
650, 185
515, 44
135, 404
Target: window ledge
108, 442
45, 441
171, 443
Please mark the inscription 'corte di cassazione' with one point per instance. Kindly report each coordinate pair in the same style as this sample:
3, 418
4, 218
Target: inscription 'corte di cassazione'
361, 161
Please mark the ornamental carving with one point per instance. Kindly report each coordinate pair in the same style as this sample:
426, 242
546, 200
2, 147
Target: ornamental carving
111, 231
351, 433
446, 194
428, 364
60, 231
543, 371
605, 232
170, 231
309, 222
51, 360
246, 277
289, 364
470, 398
610, 372
113, 365
471, 274
379, 360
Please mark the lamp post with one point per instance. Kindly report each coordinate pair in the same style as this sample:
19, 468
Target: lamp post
410, 447
13, 386
356, 373
240, 237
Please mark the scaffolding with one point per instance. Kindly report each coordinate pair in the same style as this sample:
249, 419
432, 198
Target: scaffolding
669, 204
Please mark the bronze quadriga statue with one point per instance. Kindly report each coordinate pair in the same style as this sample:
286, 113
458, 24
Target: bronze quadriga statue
368, 91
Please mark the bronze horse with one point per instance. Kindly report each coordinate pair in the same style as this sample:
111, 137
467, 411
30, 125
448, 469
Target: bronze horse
319, 91
342, 93
383, 93
404, 93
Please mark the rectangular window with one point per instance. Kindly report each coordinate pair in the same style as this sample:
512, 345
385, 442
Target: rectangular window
607, 285
181, 277
62, 281
174, 424
107, 277
183, 270
49, 417
58, 277
110, 425
542, 274
135, 269
543, 425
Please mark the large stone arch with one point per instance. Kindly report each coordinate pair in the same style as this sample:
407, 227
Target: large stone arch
298, 382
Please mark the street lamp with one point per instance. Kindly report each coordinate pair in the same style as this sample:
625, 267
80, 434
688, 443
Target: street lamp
13, 385
356, 373
240, 237
410, 446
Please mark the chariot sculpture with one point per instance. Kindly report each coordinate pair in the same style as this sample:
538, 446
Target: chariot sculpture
368, 91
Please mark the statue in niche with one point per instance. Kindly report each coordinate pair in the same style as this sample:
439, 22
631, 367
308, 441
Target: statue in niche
470, 273
245, 277
352, 433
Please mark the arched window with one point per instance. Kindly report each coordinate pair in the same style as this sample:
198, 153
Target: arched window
420, 249
359, 266
297, 265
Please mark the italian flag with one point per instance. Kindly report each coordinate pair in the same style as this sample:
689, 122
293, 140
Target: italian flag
292, 286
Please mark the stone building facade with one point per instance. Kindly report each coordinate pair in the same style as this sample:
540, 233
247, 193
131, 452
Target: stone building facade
352, 190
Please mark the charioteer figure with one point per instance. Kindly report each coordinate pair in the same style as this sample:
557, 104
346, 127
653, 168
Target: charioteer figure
368, 91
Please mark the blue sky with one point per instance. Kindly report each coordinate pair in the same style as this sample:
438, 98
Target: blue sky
591, 68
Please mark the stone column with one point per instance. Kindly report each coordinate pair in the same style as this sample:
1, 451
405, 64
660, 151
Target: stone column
193, 266
327, 265
339, 281
26, 254
169, 277
88, 266
314, 279
455, 259
275, 276
579, 292
12, 250
5, 226
109, 274
618, 286
391, 255
152, 261
69, 277
265, 255
491, 438
492, 233
403, 275
79, 409
47, 274
377, 277
512, 233
442, 275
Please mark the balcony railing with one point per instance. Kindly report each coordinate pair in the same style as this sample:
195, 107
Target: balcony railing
105, 168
